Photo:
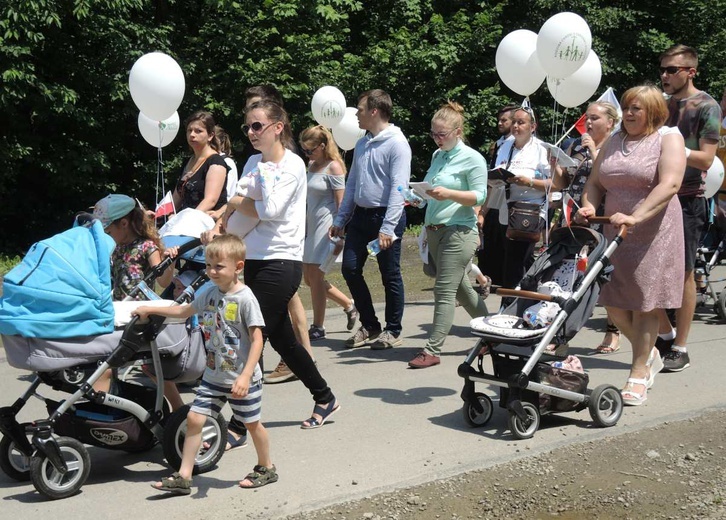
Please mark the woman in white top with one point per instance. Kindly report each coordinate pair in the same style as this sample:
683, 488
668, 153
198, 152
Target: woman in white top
326, 187
273, 269
527, 159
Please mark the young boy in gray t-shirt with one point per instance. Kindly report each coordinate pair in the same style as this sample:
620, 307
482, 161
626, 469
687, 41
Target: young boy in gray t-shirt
232, 325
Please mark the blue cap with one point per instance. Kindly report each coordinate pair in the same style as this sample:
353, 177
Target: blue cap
112, 208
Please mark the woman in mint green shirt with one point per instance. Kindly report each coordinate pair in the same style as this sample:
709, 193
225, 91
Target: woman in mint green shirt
458, 175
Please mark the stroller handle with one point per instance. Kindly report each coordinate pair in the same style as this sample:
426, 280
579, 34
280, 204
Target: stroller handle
525, 294
606, 220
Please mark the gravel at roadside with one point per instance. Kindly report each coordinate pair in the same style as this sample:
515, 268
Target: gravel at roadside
676, 470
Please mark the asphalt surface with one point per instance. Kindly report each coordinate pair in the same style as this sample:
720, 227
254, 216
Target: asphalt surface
397, 427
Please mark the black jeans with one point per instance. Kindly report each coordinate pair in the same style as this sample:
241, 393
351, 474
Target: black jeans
363, 227
273, 283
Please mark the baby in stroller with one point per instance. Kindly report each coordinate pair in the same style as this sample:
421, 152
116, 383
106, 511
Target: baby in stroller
555, 299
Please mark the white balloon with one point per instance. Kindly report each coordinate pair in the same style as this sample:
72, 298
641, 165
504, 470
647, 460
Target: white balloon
517, 63
156, 83
158, 133
347, 132
563, 44
577, 88
328, 106
714, 178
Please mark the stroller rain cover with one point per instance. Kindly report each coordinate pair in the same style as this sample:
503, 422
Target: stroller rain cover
62, 288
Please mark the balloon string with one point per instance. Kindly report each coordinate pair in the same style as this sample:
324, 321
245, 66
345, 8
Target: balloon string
159, 168
159, 176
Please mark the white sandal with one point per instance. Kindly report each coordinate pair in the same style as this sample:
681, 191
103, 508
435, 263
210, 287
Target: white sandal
632, 398
655, 364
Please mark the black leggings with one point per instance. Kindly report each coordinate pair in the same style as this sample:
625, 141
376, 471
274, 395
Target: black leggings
273, 283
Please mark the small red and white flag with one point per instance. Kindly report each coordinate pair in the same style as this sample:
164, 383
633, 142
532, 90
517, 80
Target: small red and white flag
610, 97
569, 208
165, 206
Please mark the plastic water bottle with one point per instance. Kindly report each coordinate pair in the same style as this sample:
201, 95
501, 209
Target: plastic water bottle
374, 247
411, 198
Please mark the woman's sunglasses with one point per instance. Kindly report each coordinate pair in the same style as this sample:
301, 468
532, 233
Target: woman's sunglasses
311, 150
256, 127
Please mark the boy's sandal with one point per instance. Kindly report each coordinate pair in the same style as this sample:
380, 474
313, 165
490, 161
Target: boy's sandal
632, 398
260, 476
324, 414
608, 348
175, 484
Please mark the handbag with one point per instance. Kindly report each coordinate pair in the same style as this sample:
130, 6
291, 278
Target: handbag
524, 223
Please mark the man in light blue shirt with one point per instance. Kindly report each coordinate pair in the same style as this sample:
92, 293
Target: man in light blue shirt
372, 208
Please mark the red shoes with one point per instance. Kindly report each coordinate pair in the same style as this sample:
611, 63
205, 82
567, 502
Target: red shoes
424, 360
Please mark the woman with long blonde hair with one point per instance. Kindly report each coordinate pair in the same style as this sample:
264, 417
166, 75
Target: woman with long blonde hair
326, 187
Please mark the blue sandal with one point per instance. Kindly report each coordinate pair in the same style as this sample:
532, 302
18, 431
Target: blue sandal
324, 414
234, 443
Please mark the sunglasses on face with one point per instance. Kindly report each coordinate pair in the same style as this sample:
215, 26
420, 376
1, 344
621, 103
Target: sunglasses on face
309, 151
672, 70
256, 127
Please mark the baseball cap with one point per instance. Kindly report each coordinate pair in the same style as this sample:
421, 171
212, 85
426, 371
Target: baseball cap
112, 208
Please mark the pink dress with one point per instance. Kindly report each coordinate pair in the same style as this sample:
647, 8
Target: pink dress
649, 264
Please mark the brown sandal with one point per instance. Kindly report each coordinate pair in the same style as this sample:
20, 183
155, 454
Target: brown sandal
608, 348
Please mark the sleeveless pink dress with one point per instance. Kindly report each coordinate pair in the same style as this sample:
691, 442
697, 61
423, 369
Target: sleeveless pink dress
649, 264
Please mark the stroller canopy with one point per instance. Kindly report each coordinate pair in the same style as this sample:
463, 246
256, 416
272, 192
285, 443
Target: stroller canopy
62, 288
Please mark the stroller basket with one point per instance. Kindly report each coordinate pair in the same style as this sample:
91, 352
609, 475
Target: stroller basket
563, 379
107, 427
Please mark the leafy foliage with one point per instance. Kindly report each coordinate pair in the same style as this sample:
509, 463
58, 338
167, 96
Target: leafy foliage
71, 132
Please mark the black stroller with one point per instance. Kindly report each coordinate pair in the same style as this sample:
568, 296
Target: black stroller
711, 253
530, 386
52, 452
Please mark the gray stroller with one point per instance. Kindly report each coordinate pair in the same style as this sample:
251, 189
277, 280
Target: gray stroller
531, 383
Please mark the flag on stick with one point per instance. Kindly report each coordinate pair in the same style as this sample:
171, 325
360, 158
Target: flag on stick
569, 208
609, 96
165, 206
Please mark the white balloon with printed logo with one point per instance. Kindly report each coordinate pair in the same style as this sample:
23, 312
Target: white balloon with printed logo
714, 178
517, 63
158, 133
578, 87
347, 132
157, 86
328, 106
563, 44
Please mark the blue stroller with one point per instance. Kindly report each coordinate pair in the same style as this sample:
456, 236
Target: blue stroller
57, 320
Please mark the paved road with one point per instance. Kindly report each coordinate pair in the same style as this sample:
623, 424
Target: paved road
397, 427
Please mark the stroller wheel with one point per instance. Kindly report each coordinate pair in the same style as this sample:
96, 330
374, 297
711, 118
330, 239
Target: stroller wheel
474, 417
606, 405
52, 483
214, 440
721, 305
14, 463
524, 429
